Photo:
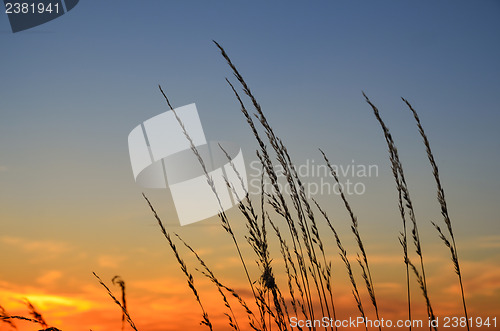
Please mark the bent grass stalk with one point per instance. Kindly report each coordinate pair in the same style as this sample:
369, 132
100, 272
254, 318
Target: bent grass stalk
257, 239
189, 276
6, 318
117, 280
363, 260
283, 159
278, 199
265, 160
124, 310
345, 260
404, 192
444, 208
36, 317
222, 215
210, 275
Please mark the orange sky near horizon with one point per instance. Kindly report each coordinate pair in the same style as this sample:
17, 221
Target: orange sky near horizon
158, 297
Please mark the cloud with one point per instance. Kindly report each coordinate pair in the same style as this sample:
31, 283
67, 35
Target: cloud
480, 278
489, 242
165, 286
13, 296
49, 277
29, 245
110, 261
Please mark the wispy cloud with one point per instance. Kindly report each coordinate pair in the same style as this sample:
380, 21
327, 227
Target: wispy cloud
14, 295
489, 242
41, 246
49, 277
110, 261
480, 278
162, 286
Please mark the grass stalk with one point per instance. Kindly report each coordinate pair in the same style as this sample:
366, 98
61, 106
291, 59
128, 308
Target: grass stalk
189, 276
444, 208
403, 192
363, 261
117, 280
124, 310
281, 205
345, 260
233, 323
222, 215
277, 146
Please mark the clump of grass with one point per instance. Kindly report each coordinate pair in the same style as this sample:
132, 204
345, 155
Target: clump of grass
276, 198
257, 239
222, 215
306, 273
313, 269
309, 291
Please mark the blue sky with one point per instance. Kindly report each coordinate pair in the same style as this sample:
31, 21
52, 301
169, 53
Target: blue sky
72, 89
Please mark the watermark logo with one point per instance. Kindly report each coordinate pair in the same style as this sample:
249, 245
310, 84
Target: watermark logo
26, 14
161, 157
316, 178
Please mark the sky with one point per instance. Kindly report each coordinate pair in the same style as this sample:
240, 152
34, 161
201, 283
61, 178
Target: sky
71, 90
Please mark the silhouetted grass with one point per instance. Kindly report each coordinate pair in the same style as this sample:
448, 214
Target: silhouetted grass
36, 317
407, 203
300, 260
289, 220
124, 310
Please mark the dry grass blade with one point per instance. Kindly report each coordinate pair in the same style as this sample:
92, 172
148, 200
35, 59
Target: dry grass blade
6, 318
291, 272
395, 167
117, 280
222, 215
35, 314
190, 279
266, 161
424, 290
258, 241
210, 275
355, 230
124, 310
302, 203
444, 207
345, 260
403, 192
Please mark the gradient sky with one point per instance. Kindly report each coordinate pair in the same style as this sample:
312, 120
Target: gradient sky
71, 91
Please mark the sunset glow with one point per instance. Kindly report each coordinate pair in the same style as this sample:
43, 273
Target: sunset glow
71, 204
